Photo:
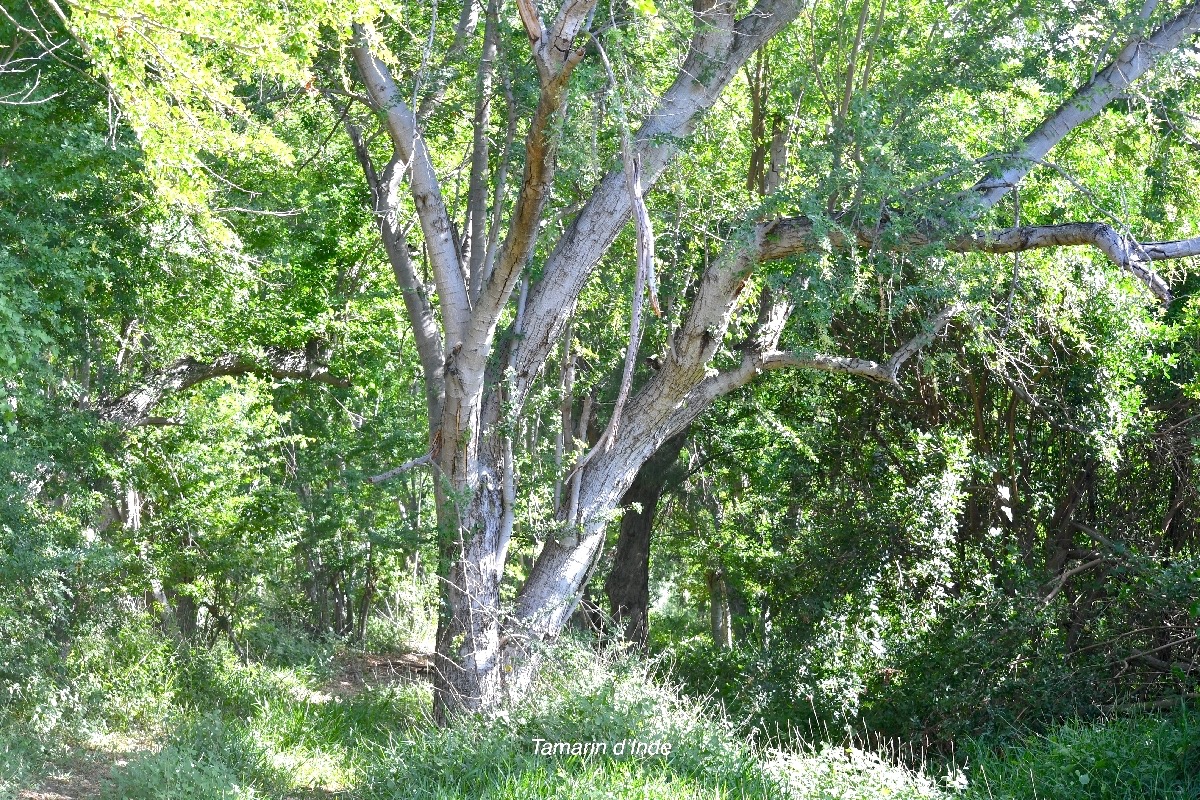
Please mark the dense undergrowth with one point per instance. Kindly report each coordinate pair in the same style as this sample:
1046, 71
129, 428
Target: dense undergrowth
210, 725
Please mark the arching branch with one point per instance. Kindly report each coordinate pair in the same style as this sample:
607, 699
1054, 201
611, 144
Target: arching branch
131, 408
1126, 253
1134, 60
792, 236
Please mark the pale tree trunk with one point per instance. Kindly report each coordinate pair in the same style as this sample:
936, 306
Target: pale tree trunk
720, 616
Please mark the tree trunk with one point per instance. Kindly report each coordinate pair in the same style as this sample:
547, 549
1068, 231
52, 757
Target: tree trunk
367, 597
718, 607
628, 584
1060, 533
480, 643
469, 674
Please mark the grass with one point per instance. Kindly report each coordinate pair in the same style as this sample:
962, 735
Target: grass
20, 759
225, 730
589, 699
254, 731
1150, 757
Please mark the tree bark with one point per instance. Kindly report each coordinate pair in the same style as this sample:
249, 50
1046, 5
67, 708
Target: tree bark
470, 448
628, 583
132, 407
720, 618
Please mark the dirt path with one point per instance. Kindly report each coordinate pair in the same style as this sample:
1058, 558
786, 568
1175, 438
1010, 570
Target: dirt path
362, 670
83, 772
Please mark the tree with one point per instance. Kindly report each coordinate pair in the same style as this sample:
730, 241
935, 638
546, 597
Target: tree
489, 300
628, 583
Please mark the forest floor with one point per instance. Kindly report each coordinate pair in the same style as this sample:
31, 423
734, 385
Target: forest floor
82, 771
358, 672
345, 730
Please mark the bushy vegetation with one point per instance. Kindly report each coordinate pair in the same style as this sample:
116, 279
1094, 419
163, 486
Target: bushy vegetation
1124, 758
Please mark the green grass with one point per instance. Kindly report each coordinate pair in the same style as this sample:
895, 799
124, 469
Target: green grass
1150, 757
272, 734
591, 700
20, 758
268, 731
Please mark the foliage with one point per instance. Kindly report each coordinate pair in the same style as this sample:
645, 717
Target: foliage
177, 775
23, 755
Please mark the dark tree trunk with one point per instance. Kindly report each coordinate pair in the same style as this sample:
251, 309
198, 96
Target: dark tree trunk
343, 609
186, 613
628, 584
1060, 533
367, 597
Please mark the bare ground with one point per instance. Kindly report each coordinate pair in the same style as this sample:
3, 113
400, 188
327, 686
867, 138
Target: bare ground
83, 772
359, 671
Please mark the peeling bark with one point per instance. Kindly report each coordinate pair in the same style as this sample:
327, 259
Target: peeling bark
476, 400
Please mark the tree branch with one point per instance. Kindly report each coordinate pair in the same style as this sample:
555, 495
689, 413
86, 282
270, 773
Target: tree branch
445, 72
718, 50
1134, 60
795, 235
130, 409
477, 217
1126, 253
888, 372
395, 472
426, 191
556, 63
426, 334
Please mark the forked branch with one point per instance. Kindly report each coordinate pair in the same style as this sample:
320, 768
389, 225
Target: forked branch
426, 190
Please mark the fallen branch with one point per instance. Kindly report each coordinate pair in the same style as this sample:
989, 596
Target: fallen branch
1153, 650
1153, 705
1166, 666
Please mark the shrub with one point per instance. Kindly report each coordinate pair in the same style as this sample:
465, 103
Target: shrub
125, 677
21, 755
175, 774
850, 774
